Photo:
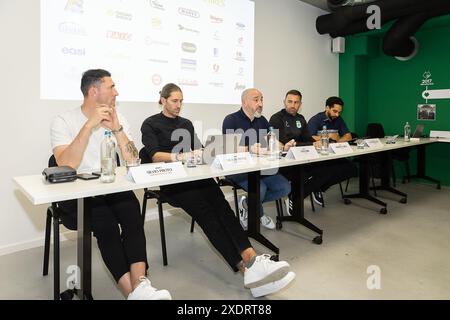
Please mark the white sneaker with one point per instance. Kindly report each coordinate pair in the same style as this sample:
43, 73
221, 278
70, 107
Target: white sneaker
267, 222
273, 287
318, 198
264, 271
145, 291
243, 212
289, 206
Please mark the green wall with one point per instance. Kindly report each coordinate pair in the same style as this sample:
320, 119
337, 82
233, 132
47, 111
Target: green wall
379, 88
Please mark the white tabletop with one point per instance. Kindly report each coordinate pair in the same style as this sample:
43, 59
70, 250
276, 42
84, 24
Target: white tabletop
39, 192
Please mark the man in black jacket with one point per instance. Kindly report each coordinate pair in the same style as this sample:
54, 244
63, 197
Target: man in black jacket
293, 131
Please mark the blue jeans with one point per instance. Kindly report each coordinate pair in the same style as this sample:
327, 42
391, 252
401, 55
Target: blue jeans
271, 187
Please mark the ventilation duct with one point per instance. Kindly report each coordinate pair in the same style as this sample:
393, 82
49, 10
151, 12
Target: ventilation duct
351, 16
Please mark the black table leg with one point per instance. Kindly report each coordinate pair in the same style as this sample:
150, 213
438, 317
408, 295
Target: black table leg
84, 252
254, 212
364, 185
298, 210
421, 158
386, 177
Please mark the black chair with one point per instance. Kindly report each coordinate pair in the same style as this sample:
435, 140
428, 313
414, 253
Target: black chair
55, 217
160, 198
376, 130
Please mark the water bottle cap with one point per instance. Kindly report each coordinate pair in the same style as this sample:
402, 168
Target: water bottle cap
107, 133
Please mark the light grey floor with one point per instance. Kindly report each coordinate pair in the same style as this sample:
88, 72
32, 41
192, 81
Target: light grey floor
410, 246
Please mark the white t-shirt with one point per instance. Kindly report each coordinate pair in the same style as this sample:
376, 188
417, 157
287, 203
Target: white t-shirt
65, 128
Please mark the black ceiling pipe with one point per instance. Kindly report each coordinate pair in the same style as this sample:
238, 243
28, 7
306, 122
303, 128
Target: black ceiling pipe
397, 41
411, 15
333, 5
349, 20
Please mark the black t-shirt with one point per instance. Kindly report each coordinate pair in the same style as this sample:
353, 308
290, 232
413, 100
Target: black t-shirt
291, 127
160, 134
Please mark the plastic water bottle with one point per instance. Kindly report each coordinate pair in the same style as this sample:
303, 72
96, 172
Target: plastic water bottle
324, 140
272, 145
407, 131
107, 158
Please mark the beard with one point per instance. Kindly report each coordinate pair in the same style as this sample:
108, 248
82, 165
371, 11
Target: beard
258, 114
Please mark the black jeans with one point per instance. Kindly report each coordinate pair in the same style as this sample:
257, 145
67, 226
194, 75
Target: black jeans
204, 201
119, 247
322, 175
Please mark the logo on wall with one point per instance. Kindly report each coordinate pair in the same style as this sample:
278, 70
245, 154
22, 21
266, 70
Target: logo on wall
427, 81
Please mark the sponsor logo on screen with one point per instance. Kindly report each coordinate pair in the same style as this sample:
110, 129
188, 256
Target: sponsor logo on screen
155, 4
118, 35
156, 23
72, 28
188, 12
216, 84
156, 79
188, 64
240, 26
74, 6
220, 3
215, 19
189, 47
183, 28
188, 82
74, 51
149, 41
122, 15
239, 86
158, 60
239, 56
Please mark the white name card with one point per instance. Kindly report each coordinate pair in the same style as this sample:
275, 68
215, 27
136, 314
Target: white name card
233, 160
156, 172
374, 143
303, 153
341, 148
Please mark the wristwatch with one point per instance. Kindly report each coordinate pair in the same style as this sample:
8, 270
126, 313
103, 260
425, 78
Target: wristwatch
118, 130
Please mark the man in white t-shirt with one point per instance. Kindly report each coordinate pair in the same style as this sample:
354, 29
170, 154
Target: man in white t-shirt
76, 137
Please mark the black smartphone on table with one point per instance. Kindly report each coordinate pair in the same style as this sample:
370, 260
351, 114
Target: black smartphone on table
87, 176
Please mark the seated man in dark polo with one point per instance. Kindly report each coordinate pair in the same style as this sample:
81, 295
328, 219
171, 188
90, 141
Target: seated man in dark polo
250, 122
293, 129
331, 119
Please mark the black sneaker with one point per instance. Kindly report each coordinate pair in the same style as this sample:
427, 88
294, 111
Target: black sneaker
318, 198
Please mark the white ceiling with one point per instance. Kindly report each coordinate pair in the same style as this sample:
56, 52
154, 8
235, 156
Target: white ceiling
318, 3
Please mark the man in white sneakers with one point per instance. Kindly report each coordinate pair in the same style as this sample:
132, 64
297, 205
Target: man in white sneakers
116, 220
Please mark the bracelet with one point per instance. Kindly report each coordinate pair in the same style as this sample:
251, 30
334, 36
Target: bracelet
118, 130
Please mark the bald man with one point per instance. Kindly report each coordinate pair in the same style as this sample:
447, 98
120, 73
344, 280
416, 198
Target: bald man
254, 126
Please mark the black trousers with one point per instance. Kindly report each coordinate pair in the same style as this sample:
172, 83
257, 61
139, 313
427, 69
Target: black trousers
322, 175
119, 246
205, 202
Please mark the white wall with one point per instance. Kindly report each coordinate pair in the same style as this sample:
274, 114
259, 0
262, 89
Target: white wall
289, 54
